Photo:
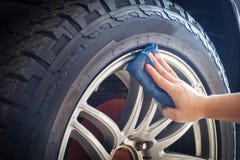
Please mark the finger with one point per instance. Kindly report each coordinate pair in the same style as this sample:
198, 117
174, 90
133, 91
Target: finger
165, 65
161, 70
159, 79
169, 113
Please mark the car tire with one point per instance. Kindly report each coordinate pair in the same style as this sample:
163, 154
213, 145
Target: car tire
53, 66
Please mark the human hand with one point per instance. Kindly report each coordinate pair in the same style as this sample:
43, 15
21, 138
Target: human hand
188, 101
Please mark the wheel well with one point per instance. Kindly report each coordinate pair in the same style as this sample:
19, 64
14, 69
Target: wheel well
218, 20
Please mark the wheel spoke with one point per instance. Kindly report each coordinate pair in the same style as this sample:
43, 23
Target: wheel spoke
177, 156
108, 128
159, 126
132, 108
90, 143
173, 137
145, 123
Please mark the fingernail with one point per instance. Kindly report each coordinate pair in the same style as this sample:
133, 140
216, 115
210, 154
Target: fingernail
156, 55
148, 65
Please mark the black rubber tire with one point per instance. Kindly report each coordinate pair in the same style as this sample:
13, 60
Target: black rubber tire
42, 69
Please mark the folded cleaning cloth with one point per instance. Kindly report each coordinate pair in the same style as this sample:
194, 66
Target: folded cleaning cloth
137, 69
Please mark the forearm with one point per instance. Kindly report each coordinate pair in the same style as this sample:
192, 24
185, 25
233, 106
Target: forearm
223, 107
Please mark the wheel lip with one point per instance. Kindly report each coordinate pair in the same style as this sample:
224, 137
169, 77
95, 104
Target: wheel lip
107, 71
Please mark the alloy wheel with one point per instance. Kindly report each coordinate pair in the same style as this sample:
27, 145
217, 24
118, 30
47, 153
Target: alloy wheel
141, 132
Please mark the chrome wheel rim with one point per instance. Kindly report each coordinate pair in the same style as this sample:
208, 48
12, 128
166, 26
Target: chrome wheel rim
137, 130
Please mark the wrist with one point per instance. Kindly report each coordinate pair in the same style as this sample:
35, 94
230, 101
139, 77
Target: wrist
203, 107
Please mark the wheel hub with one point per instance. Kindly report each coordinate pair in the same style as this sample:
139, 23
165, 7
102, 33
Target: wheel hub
125, 152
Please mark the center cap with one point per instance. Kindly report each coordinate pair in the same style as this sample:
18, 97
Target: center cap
124, 153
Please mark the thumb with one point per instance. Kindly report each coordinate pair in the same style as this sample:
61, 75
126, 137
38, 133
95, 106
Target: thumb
169, 112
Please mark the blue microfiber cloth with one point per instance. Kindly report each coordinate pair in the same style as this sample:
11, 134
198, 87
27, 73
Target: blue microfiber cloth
137, 70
